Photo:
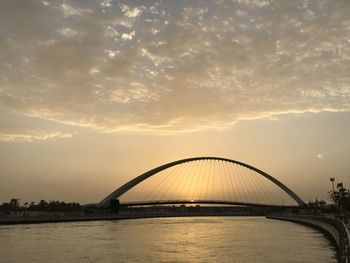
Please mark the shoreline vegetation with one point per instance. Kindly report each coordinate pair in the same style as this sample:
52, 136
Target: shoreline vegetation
72, 213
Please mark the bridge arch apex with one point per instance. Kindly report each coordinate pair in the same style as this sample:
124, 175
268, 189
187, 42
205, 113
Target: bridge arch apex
130, 184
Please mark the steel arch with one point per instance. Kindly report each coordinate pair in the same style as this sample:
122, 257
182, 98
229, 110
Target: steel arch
127, 186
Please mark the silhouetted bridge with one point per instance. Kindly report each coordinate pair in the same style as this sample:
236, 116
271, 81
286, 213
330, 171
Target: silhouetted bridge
207, 181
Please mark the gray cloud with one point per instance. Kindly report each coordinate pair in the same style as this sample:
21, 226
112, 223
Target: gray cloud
173, 66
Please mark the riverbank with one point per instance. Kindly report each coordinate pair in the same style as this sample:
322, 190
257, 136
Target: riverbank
335, 229
12, 220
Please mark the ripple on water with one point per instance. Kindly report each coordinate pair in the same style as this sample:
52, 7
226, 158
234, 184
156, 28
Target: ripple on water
200, 239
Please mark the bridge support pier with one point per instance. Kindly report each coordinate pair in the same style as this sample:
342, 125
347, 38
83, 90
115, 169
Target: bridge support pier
114, 206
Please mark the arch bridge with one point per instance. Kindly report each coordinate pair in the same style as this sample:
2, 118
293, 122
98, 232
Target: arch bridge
204, 180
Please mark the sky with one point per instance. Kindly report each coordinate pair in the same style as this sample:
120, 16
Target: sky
94, 93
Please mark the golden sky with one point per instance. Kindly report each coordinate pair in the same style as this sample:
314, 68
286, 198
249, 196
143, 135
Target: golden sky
93, 93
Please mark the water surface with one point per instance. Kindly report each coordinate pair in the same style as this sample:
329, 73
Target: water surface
191, 239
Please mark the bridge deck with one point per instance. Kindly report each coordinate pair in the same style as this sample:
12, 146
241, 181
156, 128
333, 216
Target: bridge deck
208, 202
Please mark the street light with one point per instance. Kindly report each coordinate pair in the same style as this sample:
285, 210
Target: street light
332, 180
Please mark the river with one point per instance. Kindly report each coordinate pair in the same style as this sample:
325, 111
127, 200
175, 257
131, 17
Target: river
189, 239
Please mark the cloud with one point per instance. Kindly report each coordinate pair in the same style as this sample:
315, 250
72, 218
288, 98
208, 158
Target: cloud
129, 36
320, 156
32, 135
69, 10
106, 3
130, 12
68, 32
191, 66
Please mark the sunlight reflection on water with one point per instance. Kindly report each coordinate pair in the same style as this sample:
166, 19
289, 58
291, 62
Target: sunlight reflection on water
196, 239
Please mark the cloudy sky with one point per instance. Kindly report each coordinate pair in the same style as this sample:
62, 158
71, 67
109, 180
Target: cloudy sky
93, 93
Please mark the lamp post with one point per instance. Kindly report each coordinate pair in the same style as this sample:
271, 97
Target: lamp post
332, 181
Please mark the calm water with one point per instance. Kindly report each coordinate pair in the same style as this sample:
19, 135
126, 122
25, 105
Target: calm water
201, 239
